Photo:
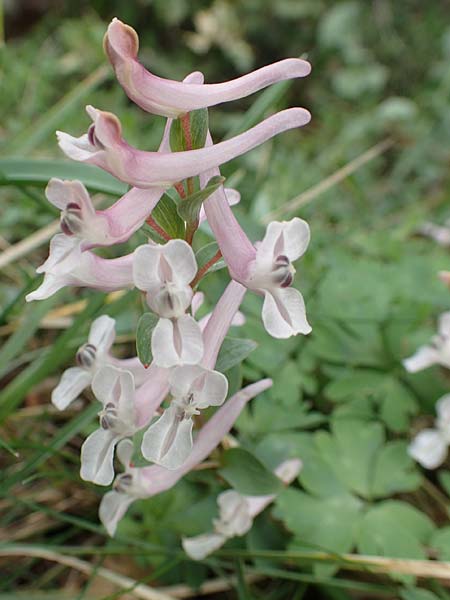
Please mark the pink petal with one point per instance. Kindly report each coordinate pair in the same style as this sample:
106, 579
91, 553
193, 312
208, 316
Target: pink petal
172, 98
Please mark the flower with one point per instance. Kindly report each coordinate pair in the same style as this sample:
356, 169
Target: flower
104, 147
173, 98
114, 388
168, 442
68, 265
157, 479
91, 357
436, 353
164, 272
236, 514
429, 447
114, 225
126, 489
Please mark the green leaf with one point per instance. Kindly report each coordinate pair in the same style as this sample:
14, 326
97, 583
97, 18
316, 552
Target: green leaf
145, 327
166, 215
328, 524
247, 475
232, 352
17, 171
394, 528
198, 125
416, 594
205, 254
189, 207
394, 470
441, 542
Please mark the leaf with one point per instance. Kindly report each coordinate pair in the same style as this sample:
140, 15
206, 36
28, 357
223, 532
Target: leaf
166, 215
145, 327
20, 171
232, 352
441, 542
327, 524
350, 450
247, 475
394, 470
396, 403
198, 125
189, 207
394, 528
205, 254
417, 594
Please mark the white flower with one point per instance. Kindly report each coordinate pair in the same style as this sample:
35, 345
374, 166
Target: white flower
436, 353
165, 272
272, 274
168, 442
114, 388
91, 357
236, 514
428, 448
126, 489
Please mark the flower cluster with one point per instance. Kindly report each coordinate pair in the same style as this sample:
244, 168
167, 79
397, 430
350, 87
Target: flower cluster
164, 398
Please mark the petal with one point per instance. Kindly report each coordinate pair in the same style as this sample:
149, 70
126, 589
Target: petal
97, 455
172, 98
163, 169
126, 409
102, 333
443, 416
60, 193
209, 387
235, 518
289, 470
423, 358
106, 384
50, 285
76, 148
284, 313
288, 238
112, 508
146, 267
201, 546
444, 324
124, 452
428, 448
65, 254
197, 301
168, 442
177, 342
181, 259
73, 381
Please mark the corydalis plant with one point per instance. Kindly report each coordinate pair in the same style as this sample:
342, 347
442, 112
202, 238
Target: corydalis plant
163, 396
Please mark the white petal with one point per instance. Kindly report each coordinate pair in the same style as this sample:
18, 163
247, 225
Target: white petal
288, 238
124, 452
209, 387
428, 448
102, 333
284, 313
50, 285
444, 324
176, 342
65, 253
106, 384
76, 148
168, 442
60, 193
97, 455
233, 196
146, 267
126, 409
288, 470
73, 381
443, 416
235, 518
422, 359
181, 259
201, 546
112, 508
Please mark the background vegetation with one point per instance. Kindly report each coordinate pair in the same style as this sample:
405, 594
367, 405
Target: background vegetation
379, 94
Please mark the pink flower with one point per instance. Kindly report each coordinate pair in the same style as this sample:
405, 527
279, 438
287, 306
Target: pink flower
173, 98
68, 265
104, 146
